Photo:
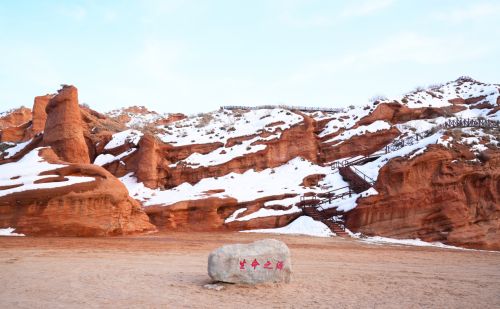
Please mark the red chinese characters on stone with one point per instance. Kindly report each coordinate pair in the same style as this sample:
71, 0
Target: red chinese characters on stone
242, 264
255, 264
267, 265
279, 265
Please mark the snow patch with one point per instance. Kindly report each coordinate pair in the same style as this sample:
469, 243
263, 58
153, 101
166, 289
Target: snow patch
9, 232
235, 214
127, 136
16, 149
107, 158
303, 225
378, 125
266, 212
404, 242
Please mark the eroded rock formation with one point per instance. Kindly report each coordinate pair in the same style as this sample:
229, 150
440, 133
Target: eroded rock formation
15, 118
63, 128
39, 113
437, 196
101, 207
13, 125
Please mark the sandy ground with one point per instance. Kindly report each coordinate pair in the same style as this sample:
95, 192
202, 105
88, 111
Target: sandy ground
169, 271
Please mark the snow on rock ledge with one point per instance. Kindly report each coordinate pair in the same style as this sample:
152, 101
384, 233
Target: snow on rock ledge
24, 175
127, 136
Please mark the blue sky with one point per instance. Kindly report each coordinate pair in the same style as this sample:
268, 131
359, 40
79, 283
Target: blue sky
193, 56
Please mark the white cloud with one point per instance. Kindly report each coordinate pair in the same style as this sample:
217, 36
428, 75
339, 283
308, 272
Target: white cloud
366, 7
474, 12
405, 47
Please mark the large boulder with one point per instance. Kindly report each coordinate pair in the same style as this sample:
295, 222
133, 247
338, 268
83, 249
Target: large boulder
265, 260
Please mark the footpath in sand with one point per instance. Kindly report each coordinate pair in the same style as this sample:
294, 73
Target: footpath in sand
169, 271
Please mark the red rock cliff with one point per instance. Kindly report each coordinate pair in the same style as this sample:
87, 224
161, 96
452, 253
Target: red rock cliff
63, 129
437, 196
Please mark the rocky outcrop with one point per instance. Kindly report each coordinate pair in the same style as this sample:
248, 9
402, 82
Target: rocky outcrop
139, 117
97, 130
63, 128
149, 162
15, 134
173, 118
210, 214
23, 124
437, 196
312, 180
359, 145
15, 118
197, 215
13, 125
39, 113
97, 208
396, 112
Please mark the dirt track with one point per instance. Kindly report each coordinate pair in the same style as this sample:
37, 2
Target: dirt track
169, 271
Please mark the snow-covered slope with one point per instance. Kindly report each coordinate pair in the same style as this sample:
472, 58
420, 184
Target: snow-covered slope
440, 95
223, 125
139, 117
251, 127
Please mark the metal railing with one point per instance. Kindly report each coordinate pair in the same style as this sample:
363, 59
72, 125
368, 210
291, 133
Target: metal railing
449, 124
471, 122
326, 197
338, 164
366, 178
289, 107
408, 141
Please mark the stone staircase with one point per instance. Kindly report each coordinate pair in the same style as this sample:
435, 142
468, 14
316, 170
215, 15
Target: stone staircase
356, 183
317, 215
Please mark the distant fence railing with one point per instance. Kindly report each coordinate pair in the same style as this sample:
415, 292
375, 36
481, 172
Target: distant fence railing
299, 108
472, 122
449, 124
